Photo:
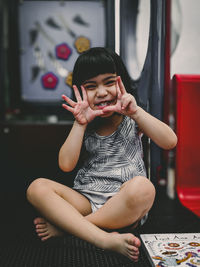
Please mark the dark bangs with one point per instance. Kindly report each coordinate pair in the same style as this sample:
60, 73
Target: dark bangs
92, 63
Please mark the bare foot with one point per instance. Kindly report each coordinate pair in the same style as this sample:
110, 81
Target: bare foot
126, 244
45, 230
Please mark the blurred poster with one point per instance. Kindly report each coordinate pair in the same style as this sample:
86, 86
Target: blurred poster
52, 35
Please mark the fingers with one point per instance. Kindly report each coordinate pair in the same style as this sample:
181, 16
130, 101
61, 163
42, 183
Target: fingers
77, 94
69, 101
121, 85
67, 108
126, 101
119, 94
84, 93
109, 108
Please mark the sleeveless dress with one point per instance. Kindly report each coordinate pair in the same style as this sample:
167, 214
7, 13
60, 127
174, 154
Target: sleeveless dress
111, 160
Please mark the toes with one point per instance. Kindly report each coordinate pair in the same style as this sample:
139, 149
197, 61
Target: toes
133, 256
41, 230
133, 249
39, 220
43, 234
134, 241
132, 253
41, 226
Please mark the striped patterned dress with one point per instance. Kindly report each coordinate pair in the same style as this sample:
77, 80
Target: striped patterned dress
111, 160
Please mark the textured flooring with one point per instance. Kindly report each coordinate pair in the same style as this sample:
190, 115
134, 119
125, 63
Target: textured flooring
20, 247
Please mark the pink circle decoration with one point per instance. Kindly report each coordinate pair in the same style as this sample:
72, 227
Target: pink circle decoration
49, 80
63, 51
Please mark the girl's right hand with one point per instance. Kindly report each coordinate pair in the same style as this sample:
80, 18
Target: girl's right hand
81, 109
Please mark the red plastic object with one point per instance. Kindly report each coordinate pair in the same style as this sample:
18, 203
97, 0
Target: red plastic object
187, 88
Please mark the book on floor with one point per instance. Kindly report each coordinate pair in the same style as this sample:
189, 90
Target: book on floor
172, 249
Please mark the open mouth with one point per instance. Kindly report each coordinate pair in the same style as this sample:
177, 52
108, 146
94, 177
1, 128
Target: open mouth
104, 104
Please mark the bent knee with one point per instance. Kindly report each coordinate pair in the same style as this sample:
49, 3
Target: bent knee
146, 190
37, 187
146, 187
140, 191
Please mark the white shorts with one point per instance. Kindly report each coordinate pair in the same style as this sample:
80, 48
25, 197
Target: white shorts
97, 199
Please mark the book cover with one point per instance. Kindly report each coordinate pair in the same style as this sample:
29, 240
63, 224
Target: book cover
172, 249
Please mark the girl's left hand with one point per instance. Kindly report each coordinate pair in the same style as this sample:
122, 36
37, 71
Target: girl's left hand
126, 103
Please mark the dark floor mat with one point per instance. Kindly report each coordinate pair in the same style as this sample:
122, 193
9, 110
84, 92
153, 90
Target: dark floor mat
61, 252
20, 247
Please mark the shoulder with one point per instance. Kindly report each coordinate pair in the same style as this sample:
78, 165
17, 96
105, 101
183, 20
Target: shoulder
128, 126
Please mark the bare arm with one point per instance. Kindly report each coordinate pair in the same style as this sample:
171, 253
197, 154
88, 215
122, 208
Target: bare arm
83, 114
158, 131
70, 150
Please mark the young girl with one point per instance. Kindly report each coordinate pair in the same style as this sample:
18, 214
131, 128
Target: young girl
110, 190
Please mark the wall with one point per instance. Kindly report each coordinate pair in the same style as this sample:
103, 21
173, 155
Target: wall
185, 37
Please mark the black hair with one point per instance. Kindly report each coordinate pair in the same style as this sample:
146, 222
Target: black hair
99, 60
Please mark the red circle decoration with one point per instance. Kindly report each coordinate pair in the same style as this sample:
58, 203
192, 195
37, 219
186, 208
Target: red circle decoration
63, 51
49, 80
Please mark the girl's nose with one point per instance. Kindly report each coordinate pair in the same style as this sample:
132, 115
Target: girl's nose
101, 91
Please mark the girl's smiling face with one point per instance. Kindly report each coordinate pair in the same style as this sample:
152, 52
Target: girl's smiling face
102, 91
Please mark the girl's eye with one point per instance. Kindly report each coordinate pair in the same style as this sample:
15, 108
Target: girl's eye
89, 87
111, 82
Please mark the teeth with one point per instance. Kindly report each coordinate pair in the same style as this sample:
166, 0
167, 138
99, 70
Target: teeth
103, 104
